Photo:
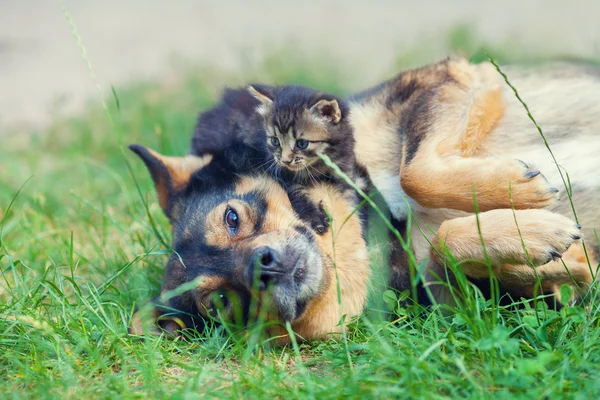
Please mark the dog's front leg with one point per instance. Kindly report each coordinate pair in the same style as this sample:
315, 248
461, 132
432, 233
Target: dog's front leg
538, 239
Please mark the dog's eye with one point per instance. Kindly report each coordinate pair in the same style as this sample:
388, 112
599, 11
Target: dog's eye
225, 305
218, 301
275, 142
231, 220
301, 144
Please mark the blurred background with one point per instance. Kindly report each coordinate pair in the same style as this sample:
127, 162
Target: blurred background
43, 73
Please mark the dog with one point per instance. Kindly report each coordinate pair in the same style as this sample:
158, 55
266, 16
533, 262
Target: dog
264, 254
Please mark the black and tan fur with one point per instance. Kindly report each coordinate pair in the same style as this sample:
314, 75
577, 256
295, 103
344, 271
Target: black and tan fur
234, 119
432, 122
434, 137
271, 249
422, 134
223, 179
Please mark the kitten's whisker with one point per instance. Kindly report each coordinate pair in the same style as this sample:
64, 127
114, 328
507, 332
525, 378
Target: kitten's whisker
315, 180
271, 161
311, 176
317, 171
271, 166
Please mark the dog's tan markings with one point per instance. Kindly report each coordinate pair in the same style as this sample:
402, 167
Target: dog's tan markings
279, 213
207, 286
170, 174
554, 273
544, 234
217, 233
440, 176
464, 106
483, 116
247, 184
181, 168
351, 258
450, 183
378, 144
323, 313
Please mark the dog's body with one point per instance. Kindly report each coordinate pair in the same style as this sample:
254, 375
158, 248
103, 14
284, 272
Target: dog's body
467, 134
199, 205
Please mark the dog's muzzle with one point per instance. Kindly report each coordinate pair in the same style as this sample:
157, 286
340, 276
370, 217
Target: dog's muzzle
291, 273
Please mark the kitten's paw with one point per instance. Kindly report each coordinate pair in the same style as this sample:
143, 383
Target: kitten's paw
320, 222
529, 188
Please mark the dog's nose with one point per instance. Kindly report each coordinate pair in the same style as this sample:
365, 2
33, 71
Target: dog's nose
265, 267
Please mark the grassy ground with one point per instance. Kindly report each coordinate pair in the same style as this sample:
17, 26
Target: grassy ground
77, 252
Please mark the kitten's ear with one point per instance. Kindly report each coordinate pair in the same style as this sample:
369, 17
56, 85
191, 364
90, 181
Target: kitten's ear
263, 94
328, 110
170, 174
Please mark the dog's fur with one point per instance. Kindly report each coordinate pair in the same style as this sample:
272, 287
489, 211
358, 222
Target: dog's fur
466, 134
304, 266
434, 123
455, 136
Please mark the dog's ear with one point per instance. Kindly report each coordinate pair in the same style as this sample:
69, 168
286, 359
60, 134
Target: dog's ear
170, 174
328, 110
264, 94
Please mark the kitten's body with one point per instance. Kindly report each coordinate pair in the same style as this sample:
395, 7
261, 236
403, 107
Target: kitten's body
295, 115
235, 119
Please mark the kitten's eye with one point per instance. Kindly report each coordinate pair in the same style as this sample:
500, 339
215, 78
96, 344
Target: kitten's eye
231, 220
301, 144
274, 142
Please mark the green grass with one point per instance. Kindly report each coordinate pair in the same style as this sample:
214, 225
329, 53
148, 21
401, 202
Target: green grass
79, 250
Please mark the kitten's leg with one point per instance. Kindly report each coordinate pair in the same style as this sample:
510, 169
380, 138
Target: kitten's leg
546, 236
444, 171
307, 210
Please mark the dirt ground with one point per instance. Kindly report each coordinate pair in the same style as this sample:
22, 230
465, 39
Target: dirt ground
42, 71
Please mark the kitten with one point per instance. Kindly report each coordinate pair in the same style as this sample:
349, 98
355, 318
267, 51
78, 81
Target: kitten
301, 122
235, 120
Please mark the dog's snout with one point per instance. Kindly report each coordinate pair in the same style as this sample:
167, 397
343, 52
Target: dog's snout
265, 267
265, 257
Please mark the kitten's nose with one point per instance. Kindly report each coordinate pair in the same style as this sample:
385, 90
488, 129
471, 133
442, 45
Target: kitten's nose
287, 162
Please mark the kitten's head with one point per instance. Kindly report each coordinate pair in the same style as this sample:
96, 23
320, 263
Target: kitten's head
300, 123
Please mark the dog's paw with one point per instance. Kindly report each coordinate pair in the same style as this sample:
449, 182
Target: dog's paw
547, 235
529, 188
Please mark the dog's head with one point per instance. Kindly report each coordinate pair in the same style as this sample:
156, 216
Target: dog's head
235, 236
